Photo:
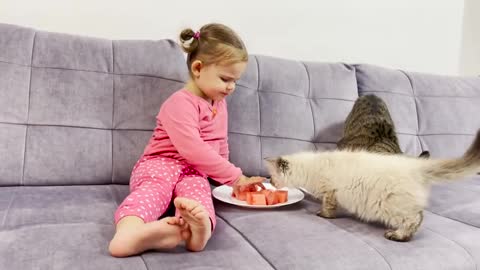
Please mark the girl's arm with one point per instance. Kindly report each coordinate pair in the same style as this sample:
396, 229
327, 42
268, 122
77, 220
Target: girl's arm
224, 151
179, 118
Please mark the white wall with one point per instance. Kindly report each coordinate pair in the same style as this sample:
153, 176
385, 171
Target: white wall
417, 35
470, 53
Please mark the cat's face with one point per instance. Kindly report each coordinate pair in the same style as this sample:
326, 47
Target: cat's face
279, 170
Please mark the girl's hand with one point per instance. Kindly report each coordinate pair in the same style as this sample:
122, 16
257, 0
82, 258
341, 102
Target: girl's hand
246, 183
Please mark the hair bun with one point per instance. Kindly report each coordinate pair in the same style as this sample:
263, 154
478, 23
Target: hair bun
189, 44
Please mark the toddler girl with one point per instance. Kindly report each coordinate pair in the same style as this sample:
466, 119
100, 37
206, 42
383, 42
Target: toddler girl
188, 145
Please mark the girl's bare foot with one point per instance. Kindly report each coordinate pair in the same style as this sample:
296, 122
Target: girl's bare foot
198, 220
133, 236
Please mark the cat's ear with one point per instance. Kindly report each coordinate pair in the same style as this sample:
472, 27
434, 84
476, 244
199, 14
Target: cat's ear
271, 160
279, 164
271, 164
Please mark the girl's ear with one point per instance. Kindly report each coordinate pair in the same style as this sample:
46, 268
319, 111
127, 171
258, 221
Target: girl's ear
196, 67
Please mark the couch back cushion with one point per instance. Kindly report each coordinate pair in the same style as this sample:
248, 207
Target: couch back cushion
431, 112
79, 110
283, 106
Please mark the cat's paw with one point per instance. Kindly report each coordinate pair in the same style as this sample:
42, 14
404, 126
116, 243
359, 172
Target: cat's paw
394, 235
326, 214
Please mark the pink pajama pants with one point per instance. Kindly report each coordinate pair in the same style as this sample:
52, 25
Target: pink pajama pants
155, 181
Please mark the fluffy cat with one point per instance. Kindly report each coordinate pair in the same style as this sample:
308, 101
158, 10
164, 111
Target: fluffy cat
369, 126
391, 189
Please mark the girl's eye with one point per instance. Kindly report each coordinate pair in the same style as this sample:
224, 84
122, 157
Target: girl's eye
228, 80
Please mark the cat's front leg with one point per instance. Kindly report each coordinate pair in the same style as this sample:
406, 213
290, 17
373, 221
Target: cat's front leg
329, 205
406, 229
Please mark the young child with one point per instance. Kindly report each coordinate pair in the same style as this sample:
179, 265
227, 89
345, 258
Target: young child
188, 145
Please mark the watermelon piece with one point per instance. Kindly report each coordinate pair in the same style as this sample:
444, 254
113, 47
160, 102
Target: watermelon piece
281, 196
256, 198
271, 198
242, 196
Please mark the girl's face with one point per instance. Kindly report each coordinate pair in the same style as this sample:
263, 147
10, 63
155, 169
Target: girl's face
217, 81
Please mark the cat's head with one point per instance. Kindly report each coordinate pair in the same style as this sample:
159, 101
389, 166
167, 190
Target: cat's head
279, 169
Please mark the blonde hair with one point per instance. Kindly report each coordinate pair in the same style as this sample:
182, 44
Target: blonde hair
213, 44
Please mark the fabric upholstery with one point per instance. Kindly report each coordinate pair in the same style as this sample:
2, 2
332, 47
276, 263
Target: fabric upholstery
76, 113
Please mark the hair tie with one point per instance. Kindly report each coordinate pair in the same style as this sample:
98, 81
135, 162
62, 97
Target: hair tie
196, 35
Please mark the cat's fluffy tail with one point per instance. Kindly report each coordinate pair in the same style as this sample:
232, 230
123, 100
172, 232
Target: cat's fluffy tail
452, 169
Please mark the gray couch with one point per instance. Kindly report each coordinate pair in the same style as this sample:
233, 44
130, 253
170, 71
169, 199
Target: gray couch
76, 113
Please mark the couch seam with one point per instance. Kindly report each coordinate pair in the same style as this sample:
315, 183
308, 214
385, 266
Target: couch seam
312, 98
420, 96
33, 225
143, 260
70, 126
457, 244
16, 64
113, 109
437, 134
310, 101
248, 241
453, 219
245, 86
235, 132
144, 263
258, 72
416, 107
22, 180
273, 137
259, 116
180, 81
113, 196
93, 71
8, 208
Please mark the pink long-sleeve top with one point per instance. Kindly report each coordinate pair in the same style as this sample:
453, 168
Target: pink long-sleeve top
193, 130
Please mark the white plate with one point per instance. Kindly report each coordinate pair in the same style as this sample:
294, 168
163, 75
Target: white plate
224, 194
